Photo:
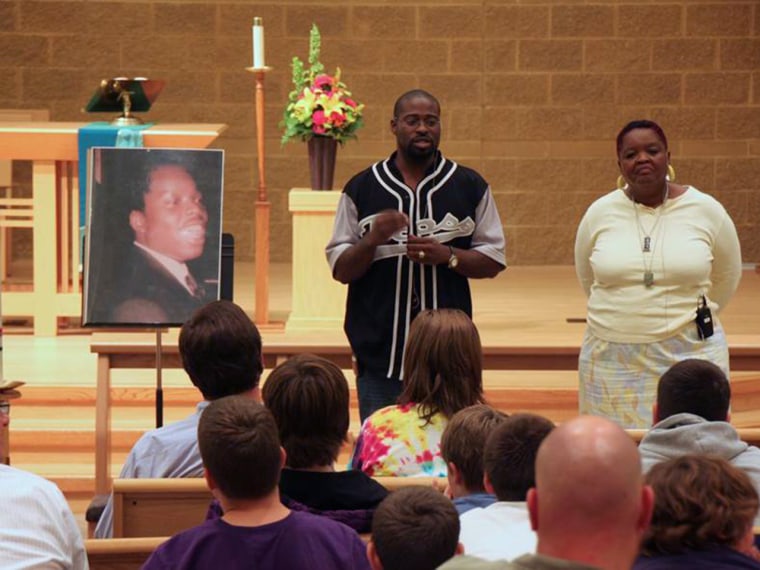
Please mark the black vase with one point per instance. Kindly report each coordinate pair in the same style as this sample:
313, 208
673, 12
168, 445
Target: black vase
322, 152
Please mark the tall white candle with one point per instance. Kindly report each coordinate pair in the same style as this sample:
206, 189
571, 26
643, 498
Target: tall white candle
258, 43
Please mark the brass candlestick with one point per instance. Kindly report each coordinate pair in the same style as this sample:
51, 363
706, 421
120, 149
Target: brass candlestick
262, 206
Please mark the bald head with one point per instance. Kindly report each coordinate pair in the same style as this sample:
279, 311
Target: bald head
589, 487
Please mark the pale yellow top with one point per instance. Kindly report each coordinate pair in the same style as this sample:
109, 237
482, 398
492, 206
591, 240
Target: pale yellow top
694, 250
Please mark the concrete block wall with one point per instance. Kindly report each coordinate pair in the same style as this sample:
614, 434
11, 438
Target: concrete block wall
533, 91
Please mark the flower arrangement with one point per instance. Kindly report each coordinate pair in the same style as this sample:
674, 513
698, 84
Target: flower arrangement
320, 104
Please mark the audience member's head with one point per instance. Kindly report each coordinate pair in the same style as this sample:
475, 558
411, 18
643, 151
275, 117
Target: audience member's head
308, 397
699, 502
589, 504
240, 448
696, 387
221, 350
414, 528
462, 446
509, 459
443, 363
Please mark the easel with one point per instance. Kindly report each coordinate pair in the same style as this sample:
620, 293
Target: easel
159, 382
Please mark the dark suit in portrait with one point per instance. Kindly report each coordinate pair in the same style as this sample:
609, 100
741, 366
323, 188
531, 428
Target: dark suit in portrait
149, 293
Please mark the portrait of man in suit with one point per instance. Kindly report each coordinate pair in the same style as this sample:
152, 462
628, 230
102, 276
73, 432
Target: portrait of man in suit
166, 263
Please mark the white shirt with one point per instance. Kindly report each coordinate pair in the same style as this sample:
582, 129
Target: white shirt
497, 532
694, 250
37, 528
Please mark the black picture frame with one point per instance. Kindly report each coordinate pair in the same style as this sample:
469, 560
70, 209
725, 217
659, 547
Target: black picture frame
126, 284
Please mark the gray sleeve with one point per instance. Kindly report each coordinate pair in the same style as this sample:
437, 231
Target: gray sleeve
488, 237
345, 230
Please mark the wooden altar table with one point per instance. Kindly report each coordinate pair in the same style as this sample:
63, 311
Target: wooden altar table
52, 148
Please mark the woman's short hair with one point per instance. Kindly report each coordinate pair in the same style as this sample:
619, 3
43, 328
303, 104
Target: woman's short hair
699, 502
443, 364
308, 397
641, 124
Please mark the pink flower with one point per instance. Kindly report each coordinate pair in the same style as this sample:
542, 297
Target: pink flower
337, 119
318, 129
323, 82
319, 118
350, 102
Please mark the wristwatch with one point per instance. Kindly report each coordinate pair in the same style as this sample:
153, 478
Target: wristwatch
453, 260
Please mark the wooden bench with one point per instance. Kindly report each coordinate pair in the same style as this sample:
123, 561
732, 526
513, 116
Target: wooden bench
164, 507
396, 483
138, 351
120, 553
158, 507
747, 435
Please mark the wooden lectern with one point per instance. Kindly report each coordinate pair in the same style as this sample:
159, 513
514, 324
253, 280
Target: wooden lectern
319, 302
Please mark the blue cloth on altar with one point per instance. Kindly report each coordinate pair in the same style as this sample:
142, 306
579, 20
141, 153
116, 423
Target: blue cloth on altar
102, 134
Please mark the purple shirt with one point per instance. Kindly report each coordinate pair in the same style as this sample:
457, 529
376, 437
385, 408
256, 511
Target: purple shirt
300, 540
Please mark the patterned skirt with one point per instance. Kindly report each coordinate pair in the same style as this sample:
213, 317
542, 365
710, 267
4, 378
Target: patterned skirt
619, 380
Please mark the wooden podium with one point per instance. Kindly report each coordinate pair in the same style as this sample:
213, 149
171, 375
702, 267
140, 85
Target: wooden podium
52, 148
319, 302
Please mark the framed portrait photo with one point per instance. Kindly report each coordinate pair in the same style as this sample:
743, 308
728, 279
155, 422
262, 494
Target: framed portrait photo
153, 235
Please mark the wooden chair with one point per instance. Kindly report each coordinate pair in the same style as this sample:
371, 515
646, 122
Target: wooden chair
158, 507
15, 211
120, 553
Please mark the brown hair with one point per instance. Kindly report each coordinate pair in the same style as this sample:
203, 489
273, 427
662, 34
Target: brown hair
415, 528
510, 455
240, 448
464, 440
699, 501
443, 364
696, 387
221, 350
308, 397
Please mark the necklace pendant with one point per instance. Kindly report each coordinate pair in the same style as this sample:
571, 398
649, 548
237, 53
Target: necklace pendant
648, 279
647, 244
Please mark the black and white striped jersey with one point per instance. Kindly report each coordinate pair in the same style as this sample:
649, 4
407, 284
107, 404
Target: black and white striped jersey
452, 204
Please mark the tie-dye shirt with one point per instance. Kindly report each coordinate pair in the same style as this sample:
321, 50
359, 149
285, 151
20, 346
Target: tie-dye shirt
395, 441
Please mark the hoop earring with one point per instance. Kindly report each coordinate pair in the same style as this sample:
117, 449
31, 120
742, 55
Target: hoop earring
621, 183
671, 173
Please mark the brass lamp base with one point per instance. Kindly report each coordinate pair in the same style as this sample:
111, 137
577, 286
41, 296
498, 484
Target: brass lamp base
124, 121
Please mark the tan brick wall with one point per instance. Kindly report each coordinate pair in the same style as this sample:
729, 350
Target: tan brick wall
533, 91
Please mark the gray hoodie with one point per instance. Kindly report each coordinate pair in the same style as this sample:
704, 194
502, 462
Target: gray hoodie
683, 434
